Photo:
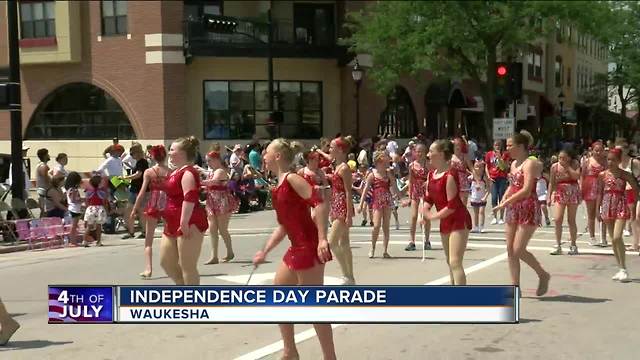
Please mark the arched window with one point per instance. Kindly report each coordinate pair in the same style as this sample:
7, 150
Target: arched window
79, 111
399, 117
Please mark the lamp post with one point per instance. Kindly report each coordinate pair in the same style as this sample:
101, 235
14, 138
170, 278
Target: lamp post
17, 174
561, 102
356, 74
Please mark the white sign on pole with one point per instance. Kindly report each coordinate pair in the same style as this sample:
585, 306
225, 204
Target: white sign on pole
503, 128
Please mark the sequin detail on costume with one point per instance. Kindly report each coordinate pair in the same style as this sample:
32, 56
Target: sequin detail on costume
526, 211
614, 202
419, 179
590, 182
382, 198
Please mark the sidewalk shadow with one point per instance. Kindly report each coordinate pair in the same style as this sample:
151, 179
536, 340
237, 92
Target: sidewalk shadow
17, 314
32, 344
571, 299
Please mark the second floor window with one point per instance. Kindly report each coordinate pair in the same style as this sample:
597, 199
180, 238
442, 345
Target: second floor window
534, 64
558, 71
114, 17
38, 19
314, 24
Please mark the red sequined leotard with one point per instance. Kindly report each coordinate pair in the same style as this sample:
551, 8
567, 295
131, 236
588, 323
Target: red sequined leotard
418, 179
157, 197
220, 200
526, 211
293, 214
567, 189
614, 203
590, 181
338, 198
175, 198
382, 198
436, 194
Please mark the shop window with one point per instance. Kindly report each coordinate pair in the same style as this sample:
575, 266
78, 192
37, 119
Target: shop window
240, 109
399, 117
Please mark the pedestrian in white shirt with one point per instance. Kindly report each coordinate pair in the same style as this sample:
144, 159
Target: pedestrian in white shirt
392, 146
112, 166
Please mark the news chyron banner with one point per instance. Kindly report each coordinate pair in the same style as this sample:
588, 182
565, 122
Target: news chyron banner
282, 304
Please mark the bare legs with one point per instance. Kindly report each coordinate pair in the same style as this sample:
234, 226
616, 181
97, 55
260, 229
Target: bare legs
219, 225
341, 247
415, 209
8, 326
518, 237
313, 276
179, 257
381, 217
591, 219
615, 228
454, 245
150, 229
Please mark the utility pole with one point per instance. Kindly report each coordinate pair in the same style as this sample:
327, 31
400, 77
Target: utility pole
17, 174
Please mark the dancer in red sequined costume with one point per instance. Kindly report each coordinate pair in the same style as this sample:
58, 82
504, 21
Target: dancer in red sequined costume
632, 165
303, 263
318, 180
221, 204
594, 165
565, 192
464, 167
613, 207
455, 220
522, 215
341, 213
382, 181
153, 179
418, 172
185, 219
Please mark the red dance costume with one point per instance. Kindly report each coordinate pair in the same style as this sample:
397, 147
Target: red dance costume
338, 198
382, 198
220, 200
463, 175
614, 205
292, 212
175, 198
313, 180
526, 211
157, 197
590, 181
418, 179
567, 190
437, 194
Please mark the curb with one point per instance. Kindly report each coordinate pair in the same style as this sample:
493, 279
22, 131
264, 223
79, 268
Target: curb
14, 248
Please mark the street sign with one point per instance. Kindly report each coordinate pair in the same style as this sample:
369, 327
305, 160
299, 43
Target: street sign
503, 128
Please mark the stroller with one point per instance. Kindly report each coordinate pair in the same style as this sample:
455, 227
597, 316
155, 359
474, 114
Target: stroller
117, 203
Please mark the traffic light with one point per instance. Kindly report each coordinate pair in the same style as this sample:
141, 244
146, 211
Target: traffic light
220, 24
508, 81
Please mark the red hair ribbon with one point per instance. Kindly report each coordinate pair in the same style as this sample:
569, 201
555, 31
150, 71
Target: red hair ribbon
213, 155
342, 144
463, 145
158, 152
617, 152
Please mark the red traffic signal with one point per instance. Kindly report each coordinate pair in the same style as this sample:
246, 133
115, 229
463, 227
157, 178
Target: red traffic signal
501, 70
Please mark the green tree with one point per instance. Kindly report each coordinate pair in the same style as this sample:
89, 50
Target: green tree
459, 38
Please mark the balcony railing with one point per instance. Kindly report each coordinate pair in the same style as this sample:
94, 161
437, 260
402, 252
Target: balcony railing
251, 39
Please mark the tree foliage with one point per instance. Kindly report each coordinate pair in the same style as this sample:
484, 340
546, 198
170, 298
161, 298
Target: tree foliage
459, 38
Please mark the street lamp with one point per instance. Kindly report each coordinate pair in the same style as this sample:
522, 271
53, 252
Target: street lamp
561, 101
356, 74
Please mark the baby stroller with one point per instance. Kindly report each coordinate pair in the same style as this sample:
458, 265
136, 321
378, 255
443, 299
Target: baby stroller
117, 203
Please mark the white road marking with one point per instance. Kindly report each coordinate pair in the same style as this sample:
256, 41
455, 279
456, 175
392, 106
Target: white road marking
311, 333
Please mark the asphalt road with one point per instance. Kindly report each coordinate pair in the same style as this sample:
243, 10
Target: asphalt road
585, 315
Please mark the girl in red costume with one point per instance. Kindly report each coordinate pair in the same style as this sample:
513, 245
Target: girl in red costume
565, 191
594, 165
381, 180
455, 220
341, 212
523, 215
631, 165
185, 219
303, 263
463, 166
221, 204
318, 180
153, 179
613, 206
418, 173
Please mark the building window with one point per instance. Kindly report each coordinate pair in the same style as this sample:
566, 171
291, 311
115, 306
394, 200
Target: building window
79, 111
399, 117
314, 24
38, 19
534, 64
114, 17
558, 71
240, 109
